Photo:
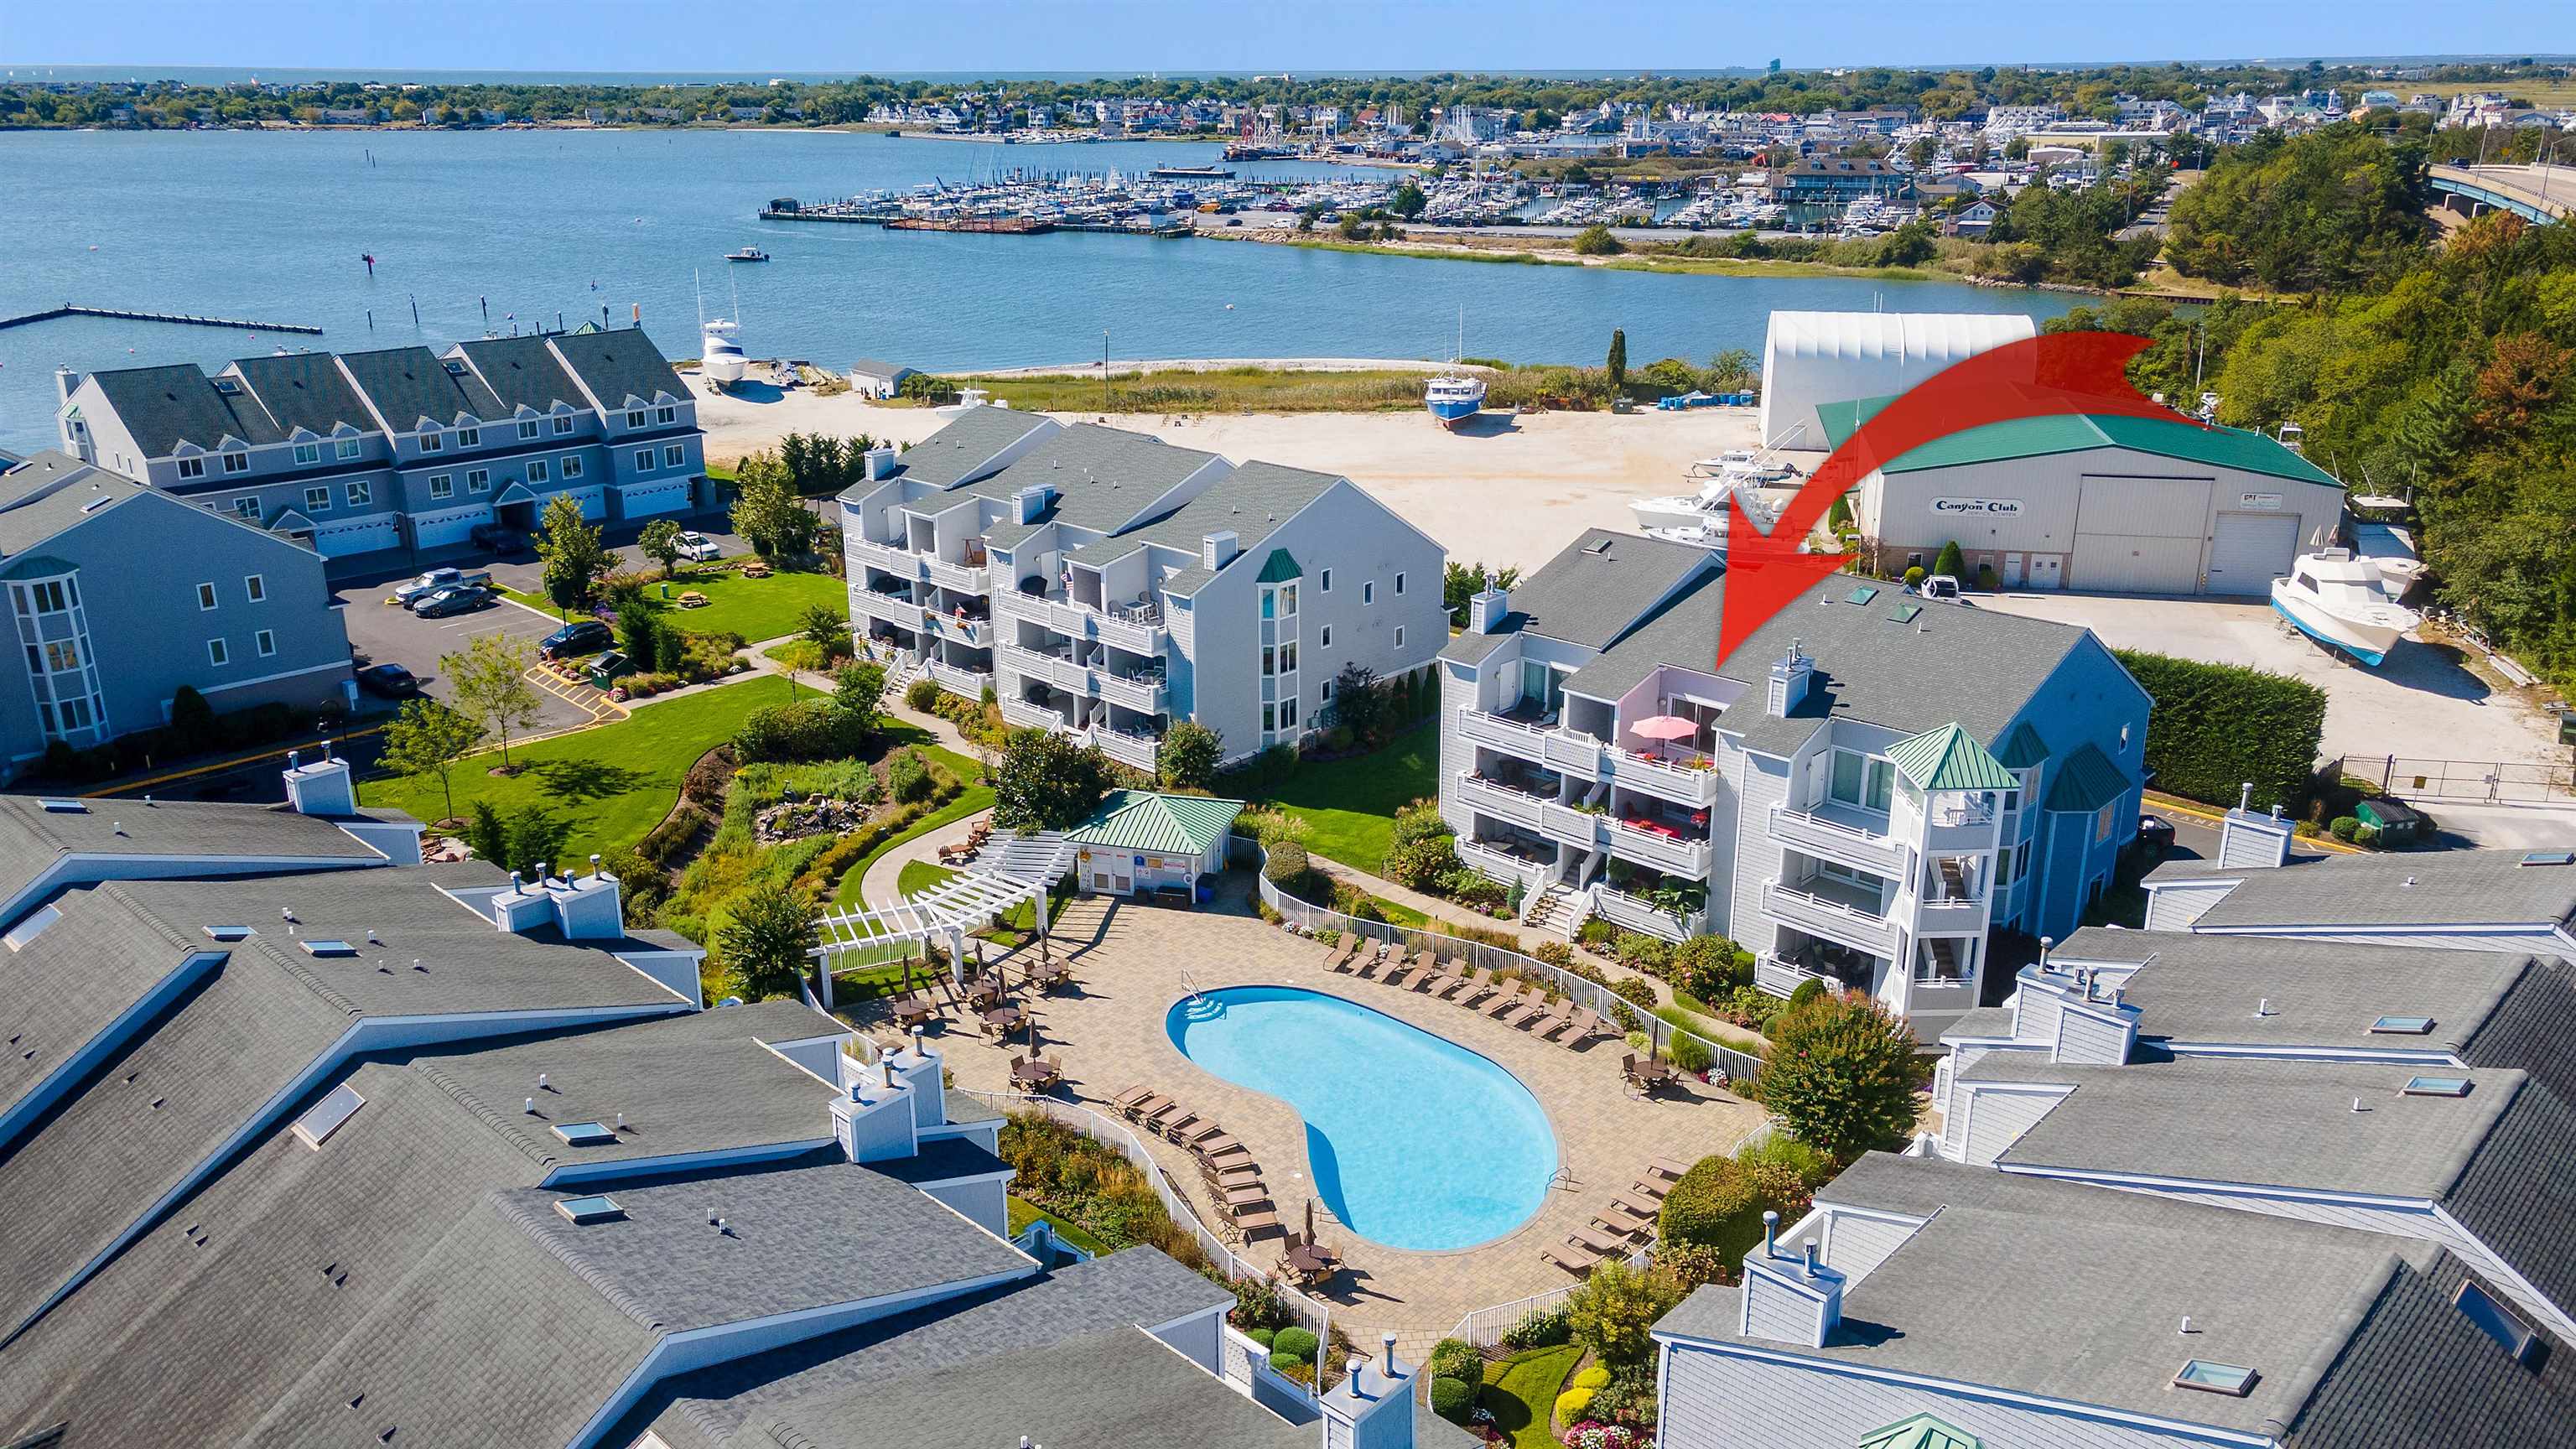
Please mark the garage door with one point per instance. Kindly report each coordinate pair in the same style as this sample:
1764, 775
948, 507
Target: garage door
593, 501
438, 530
2135, 564
2250, 550
2139, 535
339, 540
643, 500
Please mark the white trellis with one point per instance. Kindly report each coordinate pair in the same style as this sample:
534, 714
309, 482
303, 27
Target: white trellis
1014, 869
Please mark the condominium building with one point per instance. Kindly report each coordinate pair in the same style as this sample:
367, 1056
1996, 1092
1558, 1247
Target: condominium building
122, 596
374, 457
1104, 584
1863, 792
308, 1143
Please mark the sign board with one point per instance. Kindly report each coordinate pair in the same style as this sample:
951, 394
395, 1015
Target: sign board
2258, 500
1990, 507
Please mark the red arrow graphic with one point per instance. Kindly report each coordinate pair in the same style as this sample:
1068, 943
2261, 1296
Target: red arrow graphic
2066, 372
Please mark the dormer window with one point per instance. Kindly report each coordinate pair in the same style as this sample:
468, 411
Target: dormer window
432, 441
192, 467
527, 427
635, 418
666, 415
469, 437
236, 462
563, 424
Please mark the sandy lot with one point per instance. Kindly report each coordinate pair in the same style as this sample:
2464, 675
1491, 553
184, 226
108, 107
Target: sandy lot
2422, 703
1507, 491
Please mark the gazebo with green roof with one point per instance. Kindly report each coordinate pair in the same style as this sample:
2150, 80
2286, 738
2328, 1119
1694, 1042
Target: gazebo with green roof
1144, 843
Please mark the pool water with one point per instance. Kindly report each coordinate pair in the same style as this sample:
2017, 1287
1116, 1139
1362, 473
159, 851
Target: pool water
1414, 1142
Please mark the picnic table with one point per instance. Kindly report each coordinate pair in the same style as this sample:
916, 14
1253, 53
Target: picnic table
1308, 1258
1035, 1074
912, 1009
1004, 1017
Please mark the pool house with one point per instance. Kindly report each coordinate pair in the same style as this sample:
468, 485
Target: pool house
1150, 846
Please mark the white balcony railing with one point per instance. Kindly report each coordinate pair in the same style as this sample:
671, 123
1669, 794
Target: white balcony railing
970, 683
1942, 916
965, 578
1835, 840
1064, 674
1678, 783
902, 613
1574, 827
1022, 715
1133, 750
1960, 827
1144, 695
1831, 919
1775, 977
977, 633
1635, 913
1526, 741
1501, 865
894, 558
1136, 628
1498, 800
1576, 754
1663, 852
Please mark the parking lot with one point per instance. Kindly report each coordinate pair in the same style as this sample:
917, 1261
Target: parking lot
383, 633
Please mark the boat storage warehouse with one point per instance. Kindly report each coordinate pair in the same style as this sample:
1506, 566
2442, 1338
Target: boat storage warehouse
2107, 503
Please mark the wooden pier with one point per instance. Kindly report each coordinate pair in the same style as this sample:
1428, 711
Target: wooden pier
181, 319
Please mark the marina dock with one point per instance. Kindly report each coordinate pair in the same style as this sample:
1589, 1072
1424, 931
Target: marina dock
181, 319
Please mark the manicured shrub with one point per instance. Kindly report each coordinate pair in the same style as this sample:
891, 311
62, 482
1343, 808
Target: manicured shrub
1262, 1336
1915, 576
1288, 866
1456, 1358
1424, 848
805, 729
1715, 1205
1637, 989
1452, 1399
1571, 1404
1596, 932
2218, 725
1296, 1345
1613, 1313
1543, 1328
922, 694
2345, 827
1591, 1378
1841, 1075
1804, 992
1949, 560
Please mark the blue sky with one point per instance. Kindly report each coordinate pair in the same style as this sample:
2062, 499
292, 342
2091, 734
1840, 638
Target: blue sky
1125, 36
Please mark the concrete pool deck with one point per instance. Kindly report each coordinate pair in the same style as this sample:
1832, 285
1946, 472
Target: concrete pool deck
1109, 1033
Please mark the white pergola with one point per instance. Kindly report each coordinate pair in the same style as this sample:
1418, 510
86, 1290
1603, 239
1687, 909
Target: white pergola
1013, 869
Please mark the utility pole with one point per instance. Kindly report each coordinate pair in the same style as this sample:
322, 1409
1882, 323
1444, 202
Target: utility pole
1104, 369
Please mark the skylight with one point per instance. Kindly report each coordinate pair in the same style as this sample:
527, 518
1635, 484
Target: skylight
66, 807
1864, 593
1906, 613
595, 1209
2537, 857
328, 948
229, 933
2497, 1321
2216, 1378
324, 1117
2403, 1026
2437, 1086
30, 928
585, 1134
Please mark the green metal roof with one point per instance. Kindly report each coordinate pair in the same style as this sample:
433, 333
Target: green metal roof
2175, 437
1949, 758
2022, 748
2087, 782
1170, 824
1279, 568
1920, 1432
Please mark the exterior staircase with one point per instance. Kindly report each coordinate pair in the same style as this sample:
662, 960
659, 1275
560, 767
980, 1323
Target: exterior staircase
1557, 910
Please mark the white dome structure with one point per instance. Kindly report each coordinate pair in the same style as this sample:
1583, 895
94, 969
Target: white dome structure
1826, 357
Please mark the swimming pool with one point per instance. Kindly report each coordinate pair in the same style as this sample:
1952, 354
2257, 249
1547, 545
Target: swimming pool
1414, 1142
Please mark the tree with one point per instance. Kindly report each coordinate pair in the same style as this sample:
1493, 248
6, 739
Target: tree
762, 945
1596, 241
1047, 782
1840, 1075
490, 677
639, 633
1360, 704
767, 512
1613, 1313
1408, 200
573, 557
660, 542
1949, 560
1618, 363
826, 628
1460, 583
858, 690
428, 738
1188, 756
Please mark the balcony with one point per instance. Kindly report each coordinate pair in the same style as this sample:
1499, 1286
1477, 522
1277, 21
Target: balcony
894, 558
1663, 779
974, 633
888, 608
1527, 741
970, 683
1136, 628
1501, 864
1132, 750
1636, 913
1576, 754
1063, 673
1140, 692
1676, 855
969, 577
1775, 977
1577, 828
1949, 915
1961, 826
1836, 834
1835, 920
1019, 714
1501, 801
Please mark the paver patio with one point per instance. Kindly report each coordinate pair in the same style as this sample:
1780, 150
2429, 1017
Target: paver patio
1109, 1033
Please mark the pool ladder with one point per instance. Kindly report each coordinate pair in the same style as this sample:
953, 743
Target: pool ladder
1192, 985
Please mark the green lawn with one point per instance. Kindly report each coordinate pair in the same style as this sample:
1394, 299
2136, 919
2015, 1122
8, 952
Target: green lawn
1349, 805
615, 782
1521, 1391
756, 609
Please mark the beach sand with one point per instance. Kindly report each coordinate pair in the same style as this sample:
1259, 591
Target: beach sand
1509, 491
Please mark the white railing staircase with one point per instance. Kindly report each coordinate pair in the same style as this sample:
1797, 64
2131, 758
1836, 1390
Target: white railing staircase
1557, 910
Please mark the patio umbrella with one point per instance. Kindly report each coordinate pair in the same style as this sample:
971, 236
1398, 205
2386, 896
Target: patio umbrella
1665, 727
1310, 1222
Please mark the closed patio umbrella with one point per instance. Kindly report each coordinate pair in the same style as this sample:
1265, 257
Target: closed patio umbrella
1310, 1222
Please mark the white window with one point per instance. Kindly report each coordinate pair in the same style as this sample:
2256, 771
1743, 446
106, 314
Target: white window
1399, 582
431, 442
1327, 581
236, 462
572, 465
1327, 640
478, 480
2124, 739
674, 456
1288, 658
1328, 691
469, 437
527, 427
538, 472
255, 587
635, 417
1269, 718
442, 485
307, 453
265, 641
1861, 780
359, 493
563, 424
247, 505
643, 460
206, 596
62, 655
317, 499
1288, 714
192, 467
1368, 592
216, 654
1287, 601
1269, 661
348, 448
1399, 636
666, 415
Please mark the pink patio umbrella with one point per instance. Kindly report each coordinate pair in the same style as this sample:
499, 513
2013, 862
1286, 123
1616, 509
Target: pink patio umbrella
1665, 727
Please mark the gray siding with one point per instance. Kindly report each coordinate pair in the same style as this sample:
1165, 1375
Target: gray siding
1997, 1117
2174, 908
1765, 784
1855, 1245
1772, 1312
2083, 1037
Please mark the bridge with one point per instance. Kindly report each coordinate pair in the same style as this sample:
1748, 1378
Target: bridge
2540, 194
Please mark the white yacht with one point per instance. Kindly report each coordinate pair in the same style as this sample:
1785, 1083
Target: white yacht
1713, 481
720, 359
2341, 601
2391, 548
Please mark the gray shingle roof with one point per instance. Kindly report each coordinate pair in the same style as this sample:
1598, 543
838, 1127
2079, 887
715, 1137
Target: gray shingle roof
2072, 1291
2517, 1191
522, 372
618, 364
965, 449
942, 1159
1103, 478
2269, 1123
34, 839
2204, 989
304, 390
2533, 1028
2432, 888
406, 384
22, 478
1596, 588
30, 524
166, 406
1253, 502
2417, 1373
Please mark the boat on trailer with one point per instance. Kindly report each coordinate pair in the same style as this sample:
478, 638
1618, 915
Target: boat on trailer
2340, 600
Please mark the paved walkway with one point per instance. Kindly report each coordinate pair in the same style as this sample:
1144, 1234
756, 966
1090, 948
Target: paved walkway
879, 886
1109, 1033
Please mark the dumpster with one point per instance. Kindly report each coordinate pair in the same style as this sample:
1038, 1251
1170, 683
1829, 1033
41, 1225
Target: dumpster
2397, 824
608, 668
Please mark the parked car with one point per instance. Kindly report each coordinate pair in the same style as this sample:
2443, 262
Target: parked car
585, 636
2155, 836
698, 548
412, 589
387, 681
499, 538
462, 599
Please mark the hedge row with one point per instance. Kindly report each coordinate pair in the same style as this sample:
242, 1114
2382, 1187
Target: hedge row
2217, 726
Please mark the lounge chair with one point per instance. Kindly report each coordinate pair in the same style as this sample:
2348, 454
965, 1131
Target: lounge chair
1152, 1110
1448, 985
1623, 1222
1256, 1220
1230, 1174
1370, 965
1601, 1242
1652, 1189
1437, 981
1587, 1025
1181, 1126
1342, 954
1221, 1149
1126, 1101
1480, 986
1505, 1001
1580, 1262
1649, 1209
1668, 1167
1199, 1129
1399, 973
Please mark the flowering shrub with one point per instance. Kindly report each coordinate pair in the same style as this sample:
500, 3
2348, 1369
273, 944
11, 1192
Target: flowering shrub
1592, 1435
